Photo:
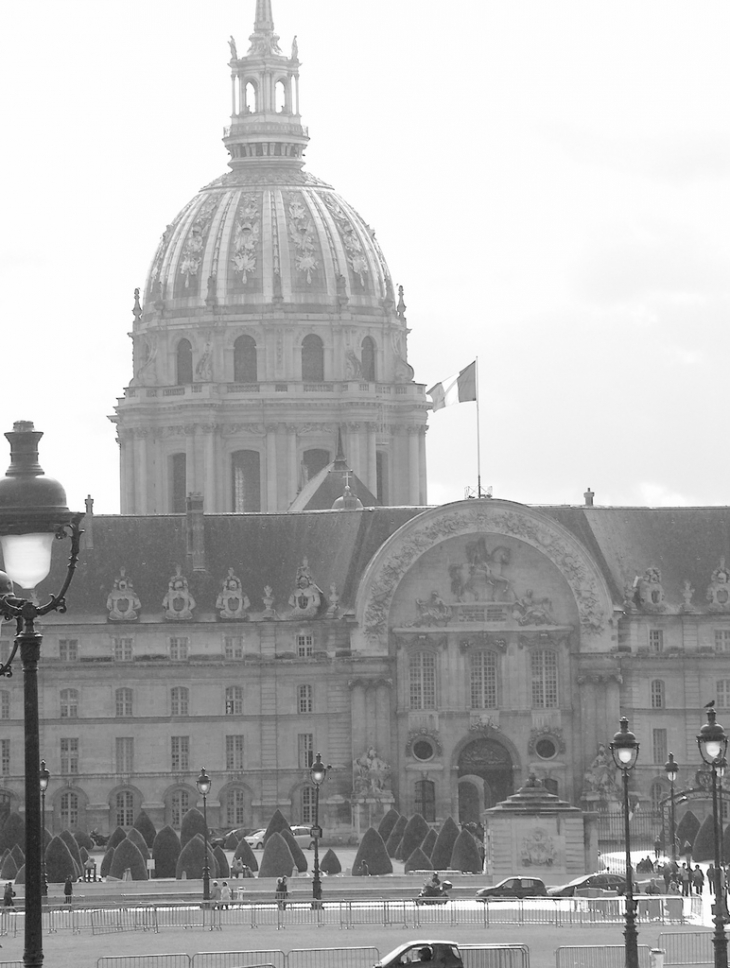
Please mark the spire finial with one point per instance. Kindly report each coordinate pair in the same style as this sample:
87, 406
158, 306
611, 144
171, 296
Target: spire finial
264, 17
263, 39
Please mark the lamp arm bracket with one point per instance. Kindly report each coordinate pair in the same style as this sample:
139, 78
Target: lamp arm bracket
57, 602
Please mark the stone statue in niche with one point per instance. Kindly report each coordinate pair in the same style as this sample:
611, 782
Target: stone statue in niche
122, 603
178, 602
432, 611
600, 778
354, 366
334, 603
718, 593
232, 602
307, 597
530, 610
232, 45
481, 577
204, 366
370, 774
650, 592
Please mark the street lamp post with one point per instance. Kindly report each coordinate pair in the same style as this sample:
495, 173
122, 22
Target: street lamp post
318, 774
712, 743
203, 784
625, 752
672, 770
32, 512
43, 777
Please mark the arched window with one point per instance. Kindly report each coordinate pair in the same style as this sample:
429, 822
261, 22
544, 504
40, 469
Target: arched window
282, 99
123, 701
184, 363
657, 794
483, 669
312, 359
178, 483
246, 472
544, 667
307, 804
179, 806
305, 701
179, 701
234, 701
368, 359
124, 809
426, 799
69, 811
69, 703
657, 694
251, 97
235, 808
422, 680
314, 460
245, 368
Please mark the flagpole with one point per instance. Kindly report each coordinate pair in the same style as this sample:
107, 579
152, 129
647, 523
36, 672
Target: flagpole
479, 450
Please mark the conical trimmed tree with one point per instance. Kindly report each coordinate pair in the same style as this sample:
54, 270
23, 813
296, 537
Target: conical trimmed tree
413, 835
277, 860
106, 862
703, 847
246, 854
193, 823
232, 841
18, 856
117, 837
83, 840
165, 852
146, 828
396, 835
20, 876
296, 851
9, 869
687, 829
330, 863
444, 846
372, 851
128, 857
385, 827
221, 860
417, 861
59, 862
73, 847
191, 861
137, 838
277, 823
429, 842
465, 855
13, 832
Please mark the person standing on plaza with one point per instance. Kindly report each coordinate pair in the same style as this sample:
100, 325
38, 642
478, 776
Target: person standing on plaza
68, 890
9, 895
685, 877
215, 895
698, 879
225, 895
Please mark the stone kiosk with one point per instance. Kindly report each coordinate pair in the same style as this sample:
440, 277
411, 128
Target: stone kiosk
534, 833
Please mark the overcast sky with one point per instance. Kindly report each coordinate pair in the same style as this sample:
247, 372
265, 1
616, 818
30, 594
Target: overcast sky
549, 180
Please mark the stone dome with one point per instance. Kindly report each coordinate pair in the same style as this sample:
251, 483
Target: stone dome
263, 235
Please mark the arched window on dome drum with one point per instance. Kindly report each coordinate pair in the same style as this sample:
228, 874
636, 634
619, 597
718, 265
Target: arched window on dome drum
314, 460
281, 93
250, 98
246, 481
312, 359
368, 359
245, 369
178, 483
426, 799
184, 363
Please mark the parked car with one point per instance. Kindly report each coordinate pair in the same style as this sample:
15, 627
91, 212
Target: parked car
604, 882
436, 954
303, 835
514, 887
256, 839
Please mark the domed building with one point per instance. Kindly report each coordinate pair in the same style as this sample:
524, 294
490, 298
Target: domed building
269, 324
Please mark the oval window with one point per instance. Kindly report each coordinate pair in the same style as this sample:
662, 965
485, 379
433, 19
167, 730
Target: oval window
422, 749
545, 749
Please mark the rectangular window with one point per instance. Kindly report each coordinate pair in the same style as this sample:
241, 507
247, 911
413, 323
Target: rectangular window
656, 640
659, 745
179, 647
305, 747
305, 699
657, 694
236, 808
308, 808
483, 680
69, 756
722, 640
422, 680
233, 646
305, 645
125, 754
180, 750
544, 664
426, 799
68, 650
123, 650
723, 693
234, 752
5, 757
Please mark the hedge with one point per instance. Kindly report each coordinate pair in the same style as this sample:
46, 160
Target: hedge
117, 837
277, 860
137, 838
106, 862
222, 861
146, 828
246, 854
277, 823
191, 861
165, 852
18, 856
192, 824
300, 861
372, 851
687, 829
13, 832
128, 857
59, 862
9, 868
444, 846
396, 835
417, 861
83, 840
330, 863
413, 835
465, 855
703, 847
429, 841
73, 847
385, 827
232, 841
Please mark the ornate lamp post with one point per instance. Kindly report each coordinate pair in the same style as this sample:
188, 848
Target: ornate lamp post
625, 752
671, 769
43, 777
318, 773
712, 743
32, 512
203, 784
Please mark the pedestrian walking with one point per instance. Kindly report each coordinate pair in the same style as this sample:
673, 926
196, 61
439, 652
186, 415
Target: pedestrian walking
711, 877
9, 895
698, 879
215, 894
225, 895
282, 892
685, 878
68, 890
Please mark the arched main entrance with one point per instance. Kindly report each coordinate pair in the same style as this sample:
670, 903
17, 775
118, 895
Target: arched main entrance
488, 761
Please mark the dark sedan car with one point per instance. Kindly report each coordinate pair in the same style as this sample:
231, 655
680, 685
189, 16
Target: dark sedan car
614, 883
514, 887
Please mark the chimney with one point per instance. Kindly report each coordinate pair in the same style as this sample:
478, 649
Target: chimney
588, 498
89, 523
194, 526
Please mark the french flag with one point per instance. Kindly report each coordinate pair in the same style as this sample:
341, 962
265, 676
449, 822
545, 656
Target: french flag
459, 388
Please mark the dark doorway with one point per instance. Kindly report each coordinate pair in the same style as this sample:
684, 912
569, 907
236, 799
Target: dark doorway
492, 763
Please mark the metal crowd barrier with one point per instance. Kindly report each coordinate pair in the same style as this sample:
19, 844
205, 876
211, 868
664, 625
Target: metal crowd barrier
495, 956
238, 959
169, 960
687, 948
599, 956
332, 958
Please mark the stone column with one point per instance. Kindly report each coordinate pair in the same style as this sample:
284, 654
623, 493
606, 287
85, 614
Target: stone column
372, 470
414, 465
382, 720
271, 475
359, 724
210, 497
142, 502
292, 467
